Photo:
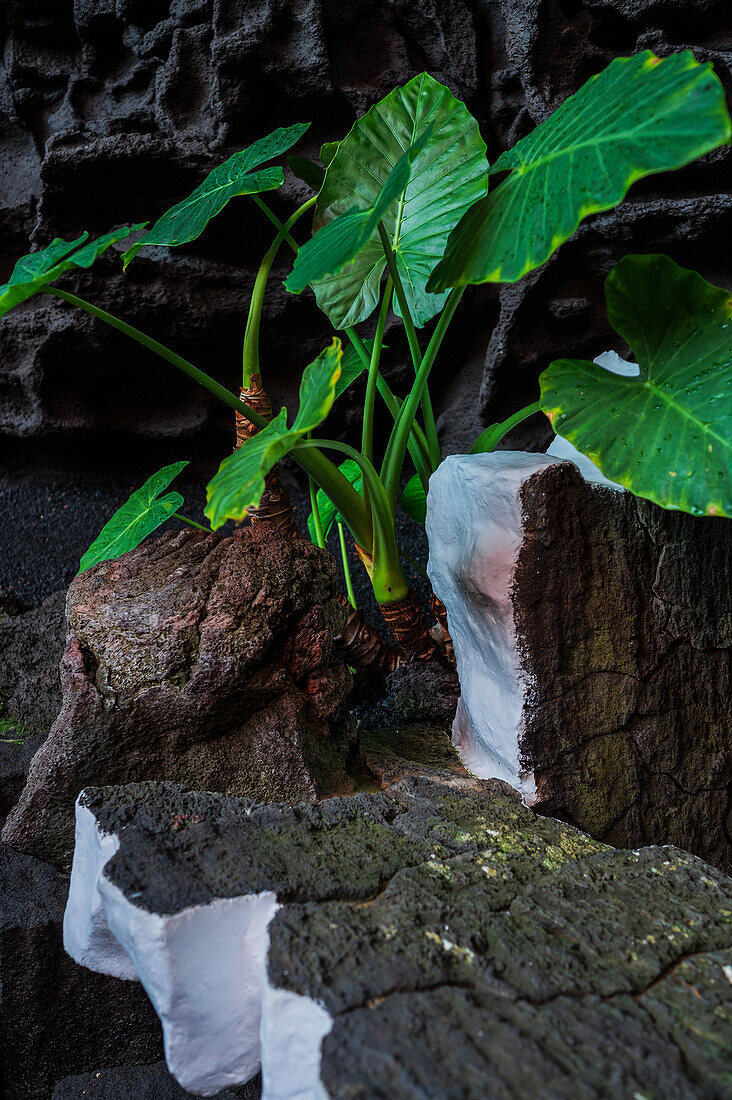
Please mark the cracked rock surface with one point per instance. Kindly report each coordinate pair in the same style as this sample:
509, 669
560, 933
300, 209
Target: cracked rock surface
436, 938
627, 714
203, 659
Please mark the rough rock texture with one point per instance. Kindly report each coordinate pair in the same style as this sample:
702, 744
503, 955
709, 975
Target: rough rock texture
628, 717
31, 644
420, 692
56, 1018
442, 940
111, 111
16, 754
138, 1083
198, 658
593, 635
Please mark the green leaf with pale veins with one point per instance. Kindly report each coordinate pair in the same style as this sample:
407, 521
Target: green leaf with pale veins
667, 434
38, 269
341, 240
414, 500
640, 115
236, 176
238, 485
142, 514
447, 177
327, 510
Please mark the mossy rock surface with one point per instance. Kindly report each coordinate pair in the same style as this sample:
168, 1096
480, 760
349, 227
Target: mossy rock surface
462, 946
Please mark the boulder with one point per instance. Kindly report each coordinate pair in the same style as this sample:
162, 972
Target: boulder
31, 644
431, 939
17, 749
57, 1018
200, 658
593, 638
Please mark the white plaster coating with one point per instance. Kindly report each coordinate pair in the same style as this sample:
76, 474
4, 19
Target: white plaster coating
293, 1028
474, 531
87, 936
562, 448
203, 970
611, 361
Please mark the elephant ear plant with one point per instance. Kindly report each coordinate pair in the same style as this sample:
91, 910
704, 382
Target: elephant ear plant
406, 215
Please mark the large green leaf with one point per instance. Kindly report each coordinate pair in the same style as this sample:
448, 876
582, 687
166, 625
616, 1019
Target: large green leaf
342, 239
142, 514
326, 508
36, 270
187, 219
639, 116
667, 433
238, 485
447, 177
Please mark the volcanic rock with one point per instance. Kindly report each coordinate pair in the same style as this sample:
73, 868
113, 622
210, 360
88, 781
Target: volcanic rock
31, 645
593, 638
56, 1018
139, 1083
432, 939
200, 658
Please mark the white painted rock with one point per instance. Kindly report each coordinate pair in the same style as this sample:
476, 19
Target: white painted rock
474, 531
593, 643
413, 951
201, 965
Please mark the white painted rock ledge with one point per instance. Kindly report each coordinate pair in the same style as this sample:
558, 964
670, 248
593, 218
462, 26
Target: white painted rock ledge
404, 943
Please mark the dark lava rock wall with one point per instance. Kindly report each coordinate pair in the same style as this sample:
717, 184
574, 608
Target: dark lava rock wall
112, 109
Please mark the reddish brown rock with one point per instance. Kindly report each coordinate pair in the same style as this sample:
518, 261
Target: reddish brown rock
202, 659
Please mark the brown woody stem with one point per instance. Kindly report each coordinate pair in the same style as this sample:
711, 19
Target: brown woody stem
275, 506
440, 612
404, 619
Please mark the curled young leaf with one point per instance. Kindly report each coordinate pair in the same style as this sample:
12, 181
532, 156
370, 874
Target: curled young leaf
665, 434
640, 115
138, 517
238, 485
38, 269
236, 176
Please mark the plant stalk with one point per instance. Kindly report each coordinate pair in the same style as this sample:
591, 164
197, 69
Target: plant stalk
387, 575
317, 524
492, 436
394, 459
426, 403
191, 522
367, 434
250, 350
326, 473
346, 566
